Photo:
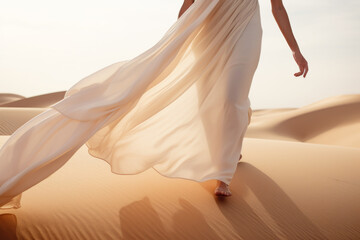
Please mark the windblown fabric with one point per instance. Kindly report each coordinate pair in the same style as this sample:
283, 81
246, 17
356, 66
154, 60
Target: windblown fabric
181, 107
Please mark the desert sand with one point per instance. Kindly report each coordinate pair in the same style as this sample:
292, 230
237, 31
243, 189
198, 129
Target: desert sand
298, 179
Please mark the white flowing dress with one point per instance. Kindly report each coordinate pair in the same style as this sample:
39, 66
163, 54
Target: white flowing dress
181, 107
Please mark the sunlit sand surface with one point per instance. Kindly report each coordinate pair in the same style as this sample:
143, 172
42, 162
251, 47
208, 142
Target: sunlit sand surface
298, 179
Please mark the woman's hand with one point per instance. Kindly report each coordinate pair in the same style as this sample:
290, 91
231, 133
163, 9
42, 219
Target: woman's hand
302, 63
283, 22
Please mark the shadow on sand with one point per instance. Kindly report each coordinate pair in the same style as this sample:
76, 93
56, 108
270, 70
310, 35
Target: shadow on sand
276, 218
150, 226
8, 223
289, 221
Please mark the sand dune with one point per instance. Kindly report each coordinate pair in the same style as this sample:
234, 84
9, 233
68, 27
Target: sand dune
9, 97
298, 179
12, 118
39, 101
287, 190
334, 121
15, 110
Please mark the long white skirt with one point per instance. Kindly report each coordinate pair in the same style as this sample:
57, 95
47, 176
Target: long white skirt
181, 107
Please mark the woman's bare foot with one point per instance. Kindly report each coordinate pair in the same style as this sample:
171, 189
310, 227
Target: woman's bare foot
222, 189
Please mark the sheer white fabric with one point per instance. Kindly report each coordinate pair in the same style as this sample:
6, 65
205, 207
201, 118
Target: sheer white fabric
181, 107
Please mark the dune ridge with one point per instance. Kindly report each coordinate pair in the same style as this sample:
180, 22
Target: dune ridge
44, 100
332, 121
329, 121
9, 97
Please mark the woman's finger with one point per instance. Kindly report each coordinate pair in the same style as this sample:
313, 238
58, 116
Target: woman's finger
301, 71
306, 70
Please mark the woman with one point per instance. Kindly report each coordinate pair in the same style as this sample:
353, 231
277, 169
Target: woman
181, 107
254, 25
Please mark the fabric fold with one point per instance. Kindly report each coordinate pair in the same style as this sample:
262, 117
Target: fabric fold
181, 107
119, 86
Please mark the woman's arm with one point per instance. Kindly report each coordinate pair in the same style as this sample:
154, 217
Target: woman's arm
185, 6
283, 22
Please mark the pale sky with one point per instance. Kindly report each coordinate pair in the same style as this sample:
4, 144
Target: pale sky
48, 46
